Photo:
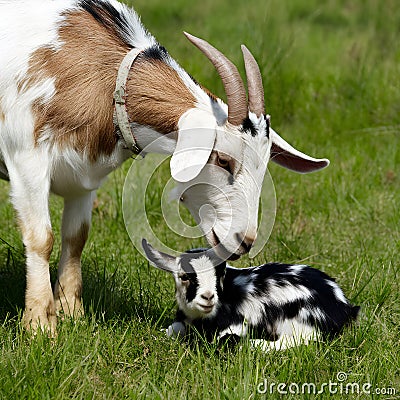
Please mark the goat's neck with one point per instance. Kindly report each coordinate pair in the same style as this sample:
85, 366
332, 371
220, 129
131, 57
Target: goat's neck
157, 97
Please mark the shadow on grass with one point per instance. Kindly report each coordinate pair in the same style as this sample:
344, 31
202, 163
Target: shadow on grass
106, 295
141, 296
12, 280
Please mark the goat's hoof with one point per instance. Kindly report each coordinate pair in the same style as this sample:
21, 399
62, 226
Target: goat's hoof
71, 307
176, 329
40, 320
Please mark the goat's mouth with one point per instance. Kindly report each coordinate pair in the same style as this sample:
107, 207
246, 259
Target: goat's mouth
206, 308
217, 243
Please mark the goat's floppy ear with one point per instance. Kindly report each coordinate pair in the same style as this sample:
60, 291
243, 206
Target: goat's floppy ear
196, 137
285, 155
158, 259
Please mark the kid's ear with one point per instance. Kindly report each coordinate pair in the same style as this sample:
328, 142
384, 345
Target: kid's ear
196, 137
158, 259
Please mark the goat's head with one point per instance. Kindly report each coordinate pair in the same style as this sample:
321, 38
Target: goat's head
220, 160
199, 276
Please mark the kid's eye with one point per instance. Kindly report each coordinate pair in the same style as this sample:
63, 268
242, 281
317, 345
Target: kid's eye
184, 278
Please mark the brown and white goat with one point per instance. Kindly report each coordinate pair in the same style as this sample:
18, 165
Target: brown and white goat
58, 68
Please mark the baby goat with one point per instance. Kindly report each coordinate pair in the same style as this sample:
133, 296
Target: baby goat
280, 304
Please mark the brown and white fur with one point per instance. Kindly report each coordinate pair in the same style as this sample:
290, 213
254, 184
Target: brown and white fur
58, 68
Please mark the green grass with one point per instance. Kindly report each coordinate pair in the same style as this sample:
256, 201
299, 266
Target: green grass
332, 79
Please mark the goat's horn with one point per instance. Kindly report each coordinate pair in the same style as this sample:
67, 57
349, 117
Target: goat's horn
254, 83
233, 84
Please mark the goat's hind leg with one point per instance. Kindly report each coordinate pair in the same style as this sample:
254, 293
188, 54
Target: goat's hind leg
75, 230
284, 342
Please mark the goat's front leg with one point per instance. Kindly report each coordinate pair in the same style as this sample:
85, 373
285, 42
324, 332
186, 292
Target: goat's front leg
75, 230
176, 329
30, 187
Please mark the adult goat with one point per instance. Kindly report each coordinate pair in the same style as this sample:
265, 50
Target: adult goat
64, 127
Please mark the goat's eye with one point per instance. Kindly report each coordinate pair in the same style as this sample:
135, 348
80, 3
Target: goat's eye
224, 162
184, 277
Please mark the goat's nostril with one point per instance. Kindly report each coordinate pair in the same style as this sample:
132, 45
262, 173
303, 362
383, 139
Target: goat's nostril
207, 296
247, 242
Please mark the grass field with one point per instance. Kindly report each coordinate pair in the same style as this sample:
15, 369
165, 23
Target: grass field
332, 80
